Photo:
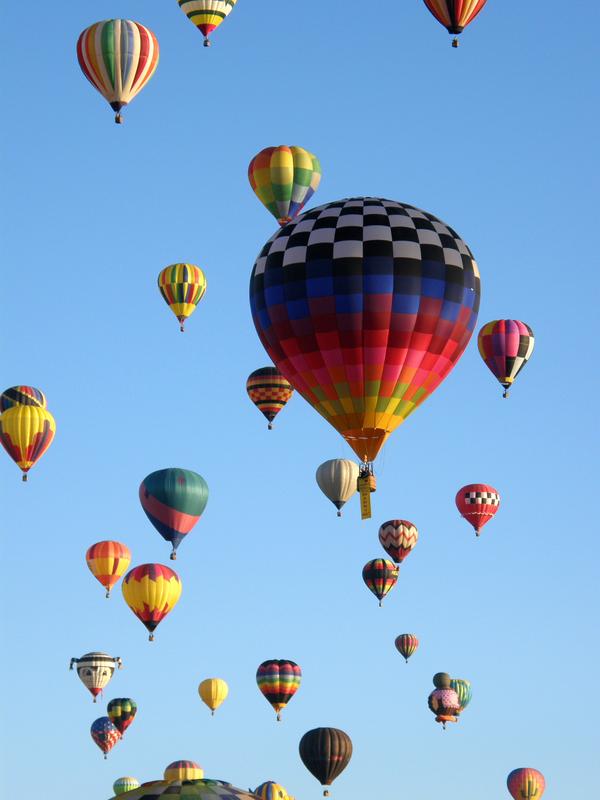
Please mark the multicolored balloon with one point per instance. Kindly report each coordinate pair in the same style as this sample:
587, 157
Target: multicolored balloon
206, 14
506, 346
121, 712
125, 784
443, 701
22, 396
118, 57
183, 771
95, 670
380, 576
455, 15
189, 790
325, 752
384, 302
151, 591
213, 691
463, 690
477, 503
107, 561
182, 287
269, 391
337, 479
526, 783
284, 179
26, 432
398, 537
406, 645
279, 681
173, 500
269, 790
105, 734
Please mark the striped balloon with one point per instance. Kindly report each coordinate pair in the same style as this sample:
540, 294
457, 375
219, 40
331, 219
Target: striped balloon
284, 179
26, 432
398, 537
182, 286
95, 670
455, 15
269, 391
118, 57
107, 561
463, 689
380, 576
151, 591
22, 396
125, 784
183, 771
526, 783
121, 712
105, 734
206, 14
506, 346
269, 790
173, 500
278, 680
406, 645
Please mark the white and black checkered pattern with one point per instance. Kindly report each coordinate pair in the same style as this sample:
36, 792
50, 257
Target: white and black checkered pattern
482, 498
347, 228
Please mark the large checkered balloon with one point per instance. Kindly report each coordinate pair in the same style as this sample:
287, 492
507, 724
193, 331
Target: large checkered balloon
365, 305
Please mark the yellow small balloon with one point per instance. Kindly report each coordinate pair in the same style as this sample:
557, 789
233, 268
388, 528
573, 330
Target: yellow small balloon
212, 692
26, 432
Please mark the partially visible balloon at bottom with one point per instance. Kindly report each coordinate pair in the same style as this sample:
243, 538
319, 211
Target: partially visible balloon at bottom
125, 784
526, 783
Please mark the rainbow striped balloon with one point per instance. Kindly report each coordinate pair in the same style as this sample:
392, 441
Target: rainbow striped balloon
380, 576
278, 680
206, 14
182, 286
118, 57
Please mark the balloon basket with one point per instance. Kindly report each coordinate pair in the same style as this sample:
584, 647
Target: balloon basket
207, 42
118, 119
24, 478
455, 42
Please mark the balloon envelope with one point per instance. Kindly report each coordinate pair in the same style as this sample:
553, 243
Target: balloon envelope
269, 790
183, 771
182, 287
121, 712
455, 15
477, 503
337, 479
95, 670
380, 576
26, 432
406, 645
202, 789
365, 305
151, 591
463, 690
526, 783
279, 681
22, 396
269, 391
506, 346
104, 733
398, 537
107, 561
206, 14
325, 752
284, 179
213, 691
125, 784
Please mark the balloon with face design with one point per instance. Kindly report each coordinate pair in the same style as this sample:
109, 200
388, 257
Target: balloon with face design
95, 670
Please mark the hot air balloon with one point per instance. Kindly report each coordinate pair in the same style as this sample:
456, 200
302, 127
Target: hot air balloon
186, 790
151, 591
173, 500
26, 432
380, 576
183, 771
182, 286
108, 561
443, 701
284, 179
463, 691
526, 783
269, 790
125, 784
269, 391
121, 712
506, 346
325, 752
384, 301
477, 503
118, 57
95, 670
337, 479
22, 396
398, 537
213, 691
278, 680
206, 14
455, 15
406, 645
105, 734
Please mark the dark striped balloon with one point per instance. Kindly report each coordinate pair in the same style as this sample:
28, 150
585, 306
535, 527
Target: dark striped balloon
406, 645
325, 752
22, 396
173, 500
121, 712
269, 391
278, 680
380, 576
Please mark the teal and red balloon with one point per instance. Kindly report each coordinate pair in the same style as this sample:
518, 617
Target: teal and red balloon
173, 500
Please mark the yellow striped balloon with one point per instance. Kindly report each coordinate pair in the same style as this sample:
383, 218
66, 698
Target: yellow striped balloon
118, 57
26, 432
206, 14
182, 286
107, 561
151, 591
212, 692
183, 771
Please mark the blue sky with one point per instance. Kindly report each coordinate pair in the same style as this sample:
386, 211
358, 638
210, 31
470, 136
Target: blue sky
497, 139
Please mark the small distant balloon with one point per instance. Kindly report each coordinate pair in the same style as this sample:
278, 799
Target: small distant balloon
151, 591
121, 712
213, 691
463, 689
406, 645
506, 346
279, 681
526, 783
380, 576
443, 701
107, 561
478, 503
95, 670
455, 15
104, 733
269, 790
125, 784
206, 15
182, 287
398, 537
269, 391
337, 479
26, 432
183, 771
